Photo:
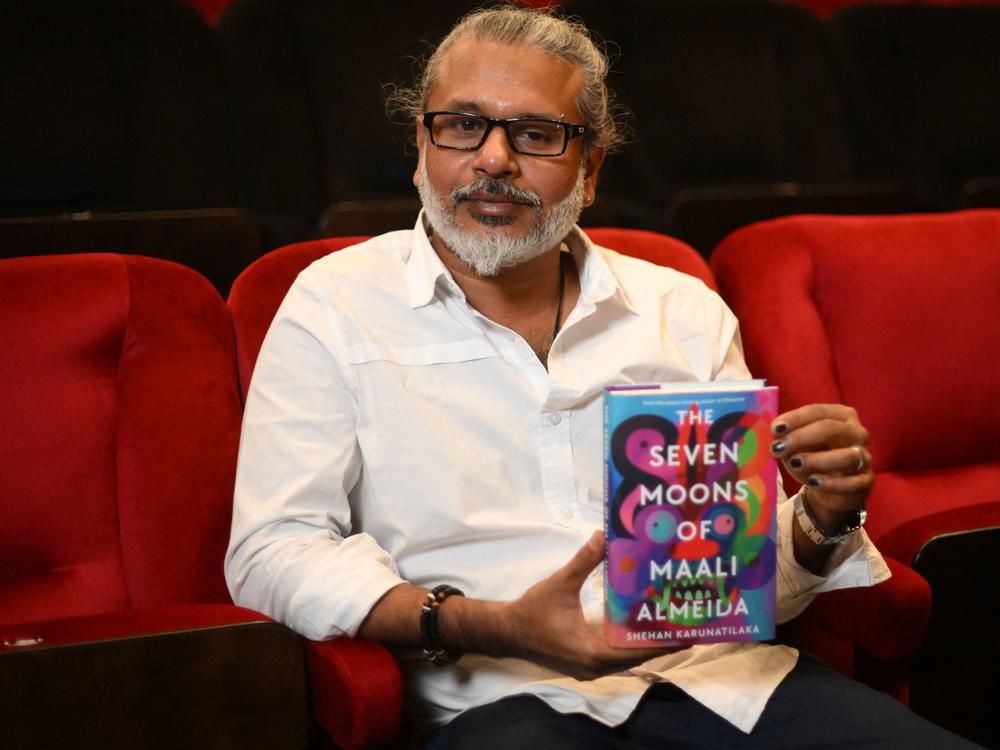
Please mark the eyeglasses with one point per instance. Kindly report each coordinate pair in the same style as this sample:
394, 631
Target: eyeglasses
526, 135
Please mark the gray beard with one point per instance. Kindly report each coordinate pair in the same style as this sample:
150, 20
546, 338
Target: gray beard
490, 250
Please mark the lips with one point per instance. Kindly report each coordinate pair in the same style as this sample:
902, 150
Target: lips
494, 204
495, 198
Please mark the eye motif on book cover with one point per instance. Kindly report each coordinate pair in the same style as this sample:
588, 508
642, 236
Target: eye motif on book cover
689, 536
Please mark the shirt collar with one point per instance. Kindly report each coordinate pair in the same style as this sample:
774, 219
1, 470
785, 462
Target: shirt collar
425, 269
598, 282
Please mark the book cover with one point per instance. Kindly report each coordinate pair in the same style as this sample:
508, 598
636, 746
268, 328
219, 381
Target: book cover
690, 513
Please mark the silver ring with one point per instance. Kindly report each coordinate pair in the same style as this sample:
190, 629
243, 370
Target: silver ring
861, 459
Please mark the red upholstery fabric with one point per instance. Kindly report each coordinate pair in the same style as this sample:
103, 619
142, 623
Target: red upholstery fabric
656, 248
118, 436
827, 8
258, 291
209, 9
118, 440
896, 316
357, 691
875, 614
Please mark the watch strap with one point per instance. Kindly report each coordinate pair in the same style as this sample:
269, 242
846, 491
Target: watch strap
812, 530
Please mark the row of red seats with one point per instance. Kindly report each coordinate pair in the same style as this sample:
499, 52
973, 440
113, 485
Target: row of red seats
212, 9
743, 111
124, 384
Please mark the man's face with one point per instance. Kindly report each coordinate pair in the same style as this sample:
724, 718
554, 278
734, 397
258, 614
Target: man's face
502, 81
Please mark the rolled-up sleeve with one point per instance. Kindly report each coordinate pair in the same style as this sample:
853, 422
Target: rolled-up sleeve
853, 563
291, 553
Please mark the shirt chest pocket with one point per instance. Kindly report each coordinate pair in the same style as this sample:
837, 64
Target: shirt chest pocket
451, 352
412, 388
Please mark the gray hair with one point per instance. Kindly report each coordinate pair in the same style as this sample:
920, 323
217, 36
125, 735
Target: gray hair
565, 38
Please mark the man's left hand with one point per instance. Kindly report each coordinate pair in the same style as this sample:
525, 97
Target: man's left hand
825, 447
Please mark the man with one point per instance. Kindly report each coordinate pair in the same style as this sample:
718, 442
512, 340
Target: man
425, 413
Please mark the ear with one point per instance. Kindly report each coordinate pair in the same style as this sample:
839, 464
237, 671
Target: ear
592, 166
421, 146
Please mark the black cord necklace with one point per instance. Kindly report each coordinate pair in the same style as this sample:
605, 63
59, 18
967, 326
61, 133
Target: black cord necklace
562, 290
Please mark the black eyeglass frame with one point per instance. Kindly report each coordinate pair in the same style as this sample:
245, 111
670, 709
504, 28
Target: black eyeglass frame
571, 129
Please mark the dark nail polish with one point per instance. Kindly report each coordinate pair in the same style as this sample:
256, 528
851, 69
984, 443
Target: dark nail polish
777, 446
813, 481
796, 463
780, 428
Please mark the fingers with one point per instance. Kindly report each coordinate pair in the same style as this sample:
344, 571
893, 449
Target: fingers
844, 461
825, 447
820, 434
547, 625
796, 418
843, 486
821, 439
583, 562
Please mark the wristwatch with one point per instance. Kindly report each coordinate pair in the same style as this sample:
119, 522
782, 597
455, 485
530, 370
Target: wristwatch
815, 533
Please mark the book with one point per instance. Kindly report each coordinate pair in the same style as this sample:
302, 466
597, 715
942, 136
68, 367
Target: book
690, 513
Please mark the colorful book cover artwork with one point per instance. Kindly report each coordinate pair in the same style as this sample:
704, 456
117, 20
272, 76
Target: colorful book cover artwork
690, 514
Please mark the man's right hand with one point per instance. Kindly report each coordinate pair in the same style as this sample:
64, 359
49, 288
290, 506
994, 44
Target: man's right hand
546, 624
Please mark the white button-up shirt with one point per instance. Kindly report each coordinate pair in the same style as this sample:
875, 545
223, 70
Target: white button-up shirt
393, 433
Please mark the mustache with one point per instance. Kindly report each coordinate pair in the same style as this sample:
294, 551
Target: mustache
495, 186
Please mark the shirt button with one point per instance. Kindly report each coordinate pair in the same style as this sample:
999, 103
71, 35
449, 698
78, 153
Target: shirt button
554, 418
565, 514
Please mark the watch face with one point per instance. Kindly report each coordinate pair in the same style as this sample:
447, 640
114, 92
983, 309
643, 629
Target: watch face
860, 516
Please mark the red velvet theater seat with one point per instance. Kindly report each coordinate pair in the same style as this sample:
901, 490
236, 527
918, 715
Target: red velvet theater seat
119, 426
362, 675
899, 317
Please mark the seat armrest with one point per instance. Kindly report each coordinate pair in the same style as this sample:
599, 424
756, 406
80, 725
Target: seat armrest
887, 621
172, 677
357, 691
158, 621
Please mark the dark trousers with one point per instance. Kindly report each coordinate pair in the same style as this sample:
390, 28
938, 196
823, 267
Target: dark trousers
813, 707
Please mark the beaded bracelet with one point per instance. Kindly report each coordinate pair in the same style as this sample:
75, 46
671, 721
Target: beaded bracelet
434, 650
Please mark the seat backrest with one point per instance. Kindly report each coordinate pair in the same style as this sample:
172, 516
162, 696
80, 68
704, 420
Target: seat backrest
654, 247
209, 9
259, 290
308, 134
894, 315
923, 83
119, 429
111, 105
721, 92
217, 243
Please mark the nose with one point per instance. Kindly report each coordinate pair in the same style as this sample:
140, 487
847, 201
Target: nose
496, 157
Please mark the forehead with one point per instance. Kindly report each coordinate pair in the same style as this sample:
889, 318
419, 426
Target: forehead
506, 81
